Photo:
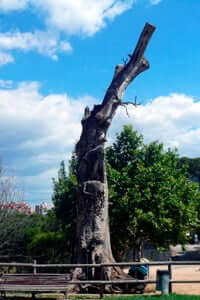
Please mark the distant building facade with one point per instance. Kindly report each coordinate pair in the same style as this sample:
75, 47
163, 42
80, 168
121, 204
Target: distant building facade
21, 207
43, 208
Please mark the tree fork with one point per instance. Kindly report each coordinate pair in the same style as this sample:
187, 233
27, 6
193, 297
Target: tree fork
92, 232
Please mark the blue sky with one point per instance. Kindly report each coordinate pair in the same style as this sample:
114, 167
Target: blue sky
56, 57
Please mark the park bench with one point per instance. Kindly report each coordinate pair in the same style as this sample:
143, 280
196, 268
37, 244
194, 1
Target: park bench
34, 283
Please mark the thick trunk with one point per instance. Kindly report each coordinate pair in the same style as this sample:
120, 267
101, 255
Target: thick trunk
93, 236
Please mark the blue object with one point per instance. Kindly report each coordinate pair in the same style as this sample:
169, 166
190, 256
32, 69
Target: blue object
139, 271
162, 283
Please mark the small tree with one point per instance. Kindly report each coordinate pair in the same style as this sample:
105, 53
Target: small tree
150, 195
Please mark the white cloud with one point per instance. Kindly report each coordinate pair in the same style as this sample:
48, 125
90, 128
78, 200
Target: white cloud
65, 46
37, 131
155, 2
38, 187
5, 58
42, 179
84, 17
45, 43
40, 121
6, 84
173, 120
9, 5
117, 9
73, 17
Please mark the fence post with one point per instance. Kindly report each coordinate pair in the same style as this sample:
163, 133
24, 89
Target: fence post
34, 267
170, 277
102, 287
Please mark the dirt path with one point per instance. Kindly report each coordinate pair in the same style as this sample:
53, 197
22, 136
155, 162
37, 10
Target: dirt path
179, 273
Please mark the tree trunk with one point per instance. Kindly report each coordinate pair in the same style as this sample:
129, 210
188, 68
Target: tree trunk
93, 236
138, 251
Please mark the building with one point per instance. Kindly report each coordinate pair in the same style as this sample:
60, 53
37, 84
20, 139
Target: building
43, 208
20, 207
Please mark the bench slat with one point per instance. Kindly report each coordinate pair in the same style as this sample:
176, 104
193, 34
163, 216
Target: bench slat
32, 288
34, 283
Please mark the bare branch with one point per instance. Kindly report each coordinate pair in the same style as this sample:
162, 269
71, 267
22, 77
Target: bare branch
10, 195
133, 103
124, 104
136, 65
125, 61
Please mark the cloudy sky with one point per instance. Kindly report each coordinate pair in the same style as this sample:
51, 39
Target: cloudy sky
56, 57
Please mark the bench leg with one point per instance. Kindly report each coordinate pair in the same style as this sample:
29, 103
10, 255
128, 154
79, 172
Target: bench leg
65, 295
102, 289
33, 295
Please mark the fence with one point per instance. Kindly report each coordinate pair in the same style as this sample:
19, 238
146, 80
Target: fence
102, 283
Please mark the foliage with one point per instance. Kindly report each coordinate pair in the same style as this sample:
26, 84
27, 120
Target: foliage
47, 238
193, 165
150, 196
11, 226
50, 244
21, 230
64, 199
30, 237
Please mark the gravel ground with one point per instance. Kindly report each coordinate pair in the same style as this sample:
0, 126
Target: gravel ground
179, 273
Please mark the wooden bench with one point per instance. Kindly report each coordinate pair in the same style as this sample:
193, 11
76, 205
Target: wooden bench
34, 283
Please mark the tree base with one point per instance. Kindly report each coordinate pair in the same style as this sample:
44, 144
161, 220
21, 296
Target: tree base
113, 274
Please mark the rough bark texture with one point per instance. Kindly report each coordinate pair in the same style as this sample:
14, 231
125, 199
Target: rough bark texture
93, 236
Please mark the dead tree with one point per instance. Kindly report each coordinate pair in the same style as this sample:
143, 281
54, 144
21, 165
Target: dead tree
9, 194
93, 236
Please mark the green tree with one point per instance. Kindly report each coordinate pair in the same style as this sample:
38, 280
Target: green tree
64, 199
193, 165
21, 234
50, 244
21, 230
151, 198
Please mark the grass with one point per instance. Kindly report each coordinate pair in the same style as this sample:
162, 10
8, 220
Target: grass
156, 297
138, 297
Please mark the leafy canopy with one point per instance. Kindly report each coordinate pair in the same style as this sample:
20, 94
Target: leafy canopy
64, 199
151, 198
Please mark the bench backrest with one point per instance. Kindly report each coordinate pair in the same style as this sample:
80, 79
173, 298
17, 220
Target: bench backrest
37, 279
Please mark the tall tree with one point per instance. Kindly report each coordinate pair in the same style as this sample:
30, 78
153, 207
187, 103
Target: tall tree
150, 195
64, 197
92, 230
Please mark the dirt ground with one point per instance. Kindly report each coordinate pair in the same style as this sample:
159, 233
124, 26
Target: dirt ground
179, 273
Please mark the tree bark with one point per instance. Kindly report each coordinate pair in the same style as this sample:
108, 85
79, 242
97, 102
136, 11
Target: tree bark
92, 235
